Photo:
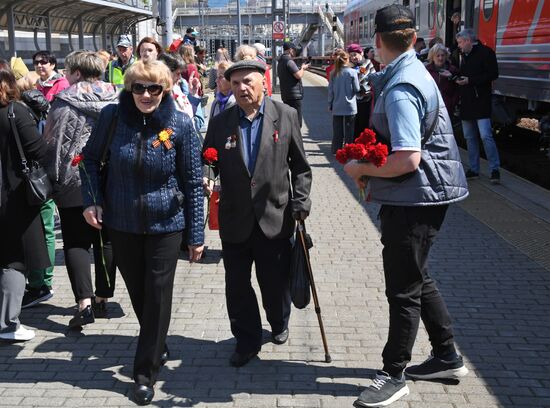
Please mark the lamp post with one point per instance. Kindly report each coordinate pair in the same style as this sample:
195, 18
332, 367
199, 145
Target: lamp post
239, 37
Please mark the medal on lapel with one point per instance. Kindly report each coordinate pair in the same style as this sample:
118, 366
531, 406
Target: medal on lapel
164, 138
276, 136
231, 142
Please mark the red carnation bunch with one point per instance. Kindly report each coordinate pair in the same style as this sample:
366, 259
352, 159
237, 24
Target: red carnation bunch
210, 155
364, 149
76, 160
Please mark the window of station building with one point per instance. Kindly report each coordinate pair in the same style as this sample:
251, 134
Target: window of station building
431, 13
360, 27
488, 7
406, 3
366, 27
417, 13
371, 28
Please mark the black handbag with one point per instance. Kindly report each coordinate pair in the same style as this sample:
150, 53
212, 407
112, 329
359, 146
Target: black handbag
300, 284
38, 185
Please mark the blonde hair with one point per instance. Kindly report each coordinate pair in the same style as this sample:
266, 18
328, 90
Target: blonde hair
151, 71
223, 65
187, 53
341, 60
222, 55
435, 50
27, 82
105, 57
245, 52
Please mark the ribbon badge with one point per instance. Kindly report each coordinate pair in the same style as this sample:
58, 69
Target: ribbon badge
164, 138
231, 142
276, 136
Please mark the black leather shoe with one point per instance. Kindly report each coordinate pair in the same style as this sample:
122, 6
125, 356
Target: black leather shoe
280, 338
81, 318
164, 356
143, 395
240, 359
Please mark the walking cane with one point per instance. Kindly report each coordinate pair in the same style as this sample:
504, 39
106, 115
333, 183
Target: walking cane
301, 227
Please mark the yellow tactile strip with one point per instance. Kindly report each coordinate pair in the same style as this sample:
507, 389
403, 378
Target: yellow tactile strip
524, 231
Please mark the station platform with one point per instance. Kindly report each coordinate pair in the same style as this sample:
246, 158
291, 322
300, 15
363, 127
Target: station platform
491, 261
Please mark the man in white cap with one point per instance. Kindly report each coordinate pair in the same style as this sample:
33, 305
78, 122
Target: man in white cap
117, 68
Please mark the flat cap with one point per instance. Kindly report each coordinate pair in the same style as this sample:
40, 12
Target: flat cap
245, 64
392, 18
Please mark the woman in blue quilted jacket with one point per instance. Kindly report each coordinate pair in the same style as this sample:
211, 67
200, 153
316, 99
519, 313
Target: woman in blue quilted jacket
150, 191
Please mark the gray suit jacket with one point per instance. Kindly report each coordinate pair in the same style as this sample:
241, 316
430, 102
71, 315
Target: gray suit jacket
281, 182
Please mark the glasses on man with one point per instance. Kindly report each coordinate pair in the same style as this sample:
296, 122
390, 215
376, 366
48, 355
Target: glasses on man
139, 89
41, 62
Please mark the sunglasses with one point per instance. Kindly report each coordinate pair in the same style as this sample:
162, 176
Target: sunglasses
41, 62
139, 89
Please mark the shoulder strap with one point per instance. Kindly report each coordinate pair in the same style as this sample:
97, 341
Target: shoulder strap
13, 125
112, 128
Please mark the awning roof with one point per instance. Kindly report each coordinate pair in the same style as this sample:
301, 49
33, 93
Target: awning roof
64, 15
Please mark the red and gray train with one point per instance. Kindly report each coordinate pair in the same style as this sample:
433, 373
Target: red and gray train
518, 31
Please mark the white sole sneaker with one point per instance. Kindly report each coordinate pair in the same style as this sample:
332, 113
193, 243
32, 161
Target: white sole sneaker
399, 394
21, 334
452, 373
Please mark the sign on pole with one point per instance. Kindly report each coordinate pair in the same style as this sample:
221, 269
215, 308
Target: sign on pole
278, 30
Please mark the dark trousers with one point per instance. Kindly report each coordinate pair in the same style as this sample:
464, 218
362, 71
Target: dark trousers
78, 237
362, 118
342, 131
407, 235
296, 104
147, 264
272, 260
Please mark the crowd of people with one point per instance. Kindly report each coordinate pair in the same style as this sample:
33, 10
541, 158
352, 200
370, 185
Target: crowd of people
121, 142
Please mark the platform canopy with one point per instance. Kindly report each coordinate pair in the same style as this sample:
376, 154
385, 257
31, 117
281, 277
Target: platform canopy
80, 17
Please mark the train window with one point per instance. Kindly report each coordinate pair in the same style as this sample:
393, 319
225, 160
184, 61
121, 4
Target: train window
440, 13
488, 6
417, 13
431, 13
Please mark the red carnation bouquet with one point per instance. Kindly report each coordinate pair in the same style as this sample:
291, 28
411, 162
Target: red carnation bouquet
210, 157
365, 149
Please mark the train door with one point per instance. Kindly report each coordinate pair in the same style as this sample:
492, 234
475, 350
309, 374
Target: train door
488, 21
452, 27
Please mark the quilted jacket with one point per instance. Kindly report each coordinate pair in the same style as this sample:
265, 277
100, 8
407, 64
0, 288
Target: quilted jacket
72, 116
150, 188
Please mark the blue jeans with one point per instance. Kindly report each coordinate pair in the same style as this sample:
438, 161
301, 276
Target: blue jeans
482, 127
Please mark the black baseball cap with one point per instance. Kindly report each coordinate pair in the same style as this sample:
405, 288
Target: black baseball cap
288, 45
392, 18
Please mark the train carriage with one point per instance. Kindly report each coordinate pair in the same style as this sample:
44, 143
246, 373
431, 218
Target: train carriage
518, 31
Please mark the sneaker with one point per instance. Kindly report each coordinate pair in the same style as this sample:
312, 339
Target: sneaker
495, 177
383, 391
21, 334
34, 296
82, 317
472, 175
436, 368
100, 309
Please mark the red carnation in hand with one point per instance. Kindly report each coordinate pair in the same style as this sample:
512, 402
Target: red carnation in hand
378, 154
357, 151
210, 155
76, 160
367, 137
342, 156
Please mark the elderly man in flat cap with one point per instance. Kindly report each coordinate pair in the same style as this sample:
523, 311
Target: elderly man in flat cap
422, 176
265, 185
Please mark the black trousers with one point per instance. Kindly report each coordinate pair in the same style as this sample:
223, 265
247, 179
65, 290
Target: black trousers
407, 235
272, 260
362, 118
147, 264
296, 104
78, 237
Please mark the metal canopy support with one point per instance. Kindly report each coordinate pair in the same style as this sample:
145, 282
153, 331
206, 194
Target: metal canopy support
104, 34
49, 32
11, 31
239, 34
167, 23
80, 33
